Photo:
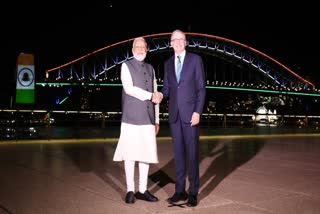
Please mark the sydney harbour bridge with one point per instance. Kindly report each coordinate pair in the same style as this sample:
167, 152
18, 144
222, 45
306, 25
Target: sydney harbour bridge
92, 81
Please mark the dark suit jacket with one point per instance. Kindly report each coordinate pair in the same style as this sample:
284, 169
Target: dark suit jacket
189, 94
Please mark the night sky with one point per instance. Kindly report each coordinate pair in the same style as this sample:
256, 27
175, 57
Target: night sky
59, 31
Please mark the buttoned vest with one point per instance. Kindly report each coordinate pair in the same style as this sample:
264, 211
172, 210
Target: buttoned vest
135, 111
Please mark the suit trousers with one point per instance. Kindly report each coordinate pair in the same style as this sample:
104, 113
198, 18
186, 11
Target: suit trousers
185, 140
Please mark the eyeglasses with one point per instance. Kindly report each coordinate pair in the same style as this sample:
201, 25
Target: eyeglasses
178, 40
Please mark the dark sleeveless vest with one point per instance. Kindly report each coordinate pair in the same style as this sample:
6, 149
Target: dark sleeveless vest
135, 111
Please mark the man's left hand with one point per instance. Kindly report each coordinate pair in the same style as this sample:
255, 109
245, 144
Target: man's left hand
195, 119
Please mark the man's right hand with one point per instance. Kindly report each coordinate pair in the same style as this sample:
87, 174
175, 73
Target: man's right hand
157, 97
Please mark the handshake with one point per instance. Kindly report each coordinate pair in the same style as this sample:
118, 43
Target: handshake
156, 97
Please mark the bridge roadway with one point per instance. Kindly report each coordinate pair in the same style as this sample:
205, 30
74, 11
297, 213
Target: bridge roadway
265, 170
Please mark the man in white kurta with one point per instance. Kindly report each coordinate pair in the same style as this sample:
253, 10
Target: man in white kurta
140, 121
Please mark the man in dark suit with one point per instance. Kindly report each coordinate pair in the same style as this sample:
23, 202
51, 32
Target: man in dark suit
184, 87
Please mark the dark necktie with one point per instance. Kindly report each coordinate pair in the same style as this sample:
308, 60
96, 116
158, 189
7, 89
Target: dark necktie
178, 68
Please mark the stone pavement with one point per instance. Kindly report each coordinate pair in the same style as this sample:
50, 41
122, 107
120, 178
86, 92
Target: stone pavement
273, 173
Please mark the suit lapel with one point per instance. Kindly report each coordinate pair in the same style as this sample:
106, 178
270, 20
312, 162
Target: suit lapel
173, 69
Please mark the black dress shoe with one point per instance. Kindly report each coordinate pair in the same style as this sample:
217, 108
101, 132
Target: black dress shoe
130, 198
178, 196
192, 200
146, 196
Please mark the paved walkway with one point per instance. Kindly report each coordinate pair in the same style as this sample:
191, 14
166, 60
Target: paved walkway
260, 173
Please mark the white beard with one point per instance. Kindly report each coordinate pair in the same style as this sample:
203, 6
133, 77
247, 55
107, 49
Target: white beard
140, 57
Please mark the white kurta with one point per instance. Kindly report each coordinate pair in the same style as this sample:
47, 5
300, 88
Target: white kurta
137, 142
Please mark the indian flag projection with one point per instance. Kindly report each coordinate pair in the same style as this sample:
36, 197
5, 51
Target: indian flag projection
25, 78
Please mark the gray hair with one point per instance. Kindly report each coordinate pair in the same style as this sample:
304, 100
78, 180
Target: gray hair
139, 38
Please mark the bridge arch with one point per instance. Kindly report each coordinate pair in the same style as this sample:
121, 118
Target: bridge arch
102, 65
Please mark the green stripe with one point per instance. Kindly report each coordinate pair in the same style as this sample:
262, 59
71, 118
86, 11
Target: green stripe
25, 96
